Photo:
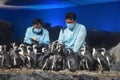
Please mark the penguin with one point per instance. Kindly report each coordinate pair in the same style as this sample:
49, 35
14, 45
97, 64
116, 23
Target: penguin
28, 60
1, 56
86, 60
59, 58
71, 62
101, 60
108, 57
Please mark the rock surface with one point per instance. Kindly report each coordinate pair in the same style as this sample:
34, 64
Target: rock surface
19, 74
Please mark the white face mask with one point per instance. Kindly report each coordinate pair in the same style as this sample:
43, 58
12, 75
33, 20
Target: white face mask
37, 30
70, 26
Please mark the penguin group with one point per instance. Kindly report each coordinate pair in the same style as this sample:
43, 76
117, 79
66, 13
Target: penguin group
54, 57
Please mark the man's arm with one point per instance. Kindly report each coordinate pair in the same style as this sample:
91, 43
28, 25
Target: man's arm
80, 39
45, 38
61, 37
28, 36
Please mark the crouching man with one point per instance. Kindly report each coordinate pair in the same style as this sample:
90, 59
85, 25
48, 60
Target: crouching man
73, 36
37, 34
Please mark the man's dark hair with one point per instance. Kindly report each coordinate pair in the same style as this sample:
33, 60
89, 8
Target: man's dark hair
37, 21
70, 15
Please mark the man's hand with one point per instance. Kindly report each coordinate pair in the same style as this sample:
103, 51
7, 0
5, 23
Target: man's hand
34, 39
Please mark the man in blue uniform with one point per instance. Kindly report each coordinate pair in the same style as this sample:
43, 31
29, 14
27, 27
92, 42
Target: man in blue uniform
73, 36
37, 34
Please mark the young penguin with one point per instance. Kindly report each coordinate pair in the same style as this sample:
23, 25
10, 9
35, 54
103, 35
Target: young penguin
71, 60
28, 58
59, 60
106, 55
102, 62
87, 60
1, 56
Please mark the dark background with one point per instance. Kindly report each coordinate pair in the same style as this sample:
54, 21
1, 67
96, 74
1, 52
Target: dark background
104, 15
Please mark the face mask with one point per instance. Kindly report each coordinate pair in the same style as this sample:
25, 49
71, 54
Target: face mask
37, 30
70, 26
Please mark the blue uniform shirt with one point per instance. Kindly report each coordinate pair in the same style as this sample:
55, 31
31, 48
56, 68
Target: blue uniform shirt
43, 39
73, 39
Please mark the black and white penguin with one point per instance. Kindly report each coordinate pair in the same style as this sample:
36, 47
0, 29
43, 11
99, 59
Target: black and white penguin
86, 60
71, 61
59, 58
1, 56
108, 57
28, 60
101, 60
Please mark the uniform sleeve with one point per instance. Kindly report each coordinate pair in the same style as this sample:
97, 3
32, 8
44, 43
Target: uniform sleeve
46, 39
61, 37
80, 39
27, 38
